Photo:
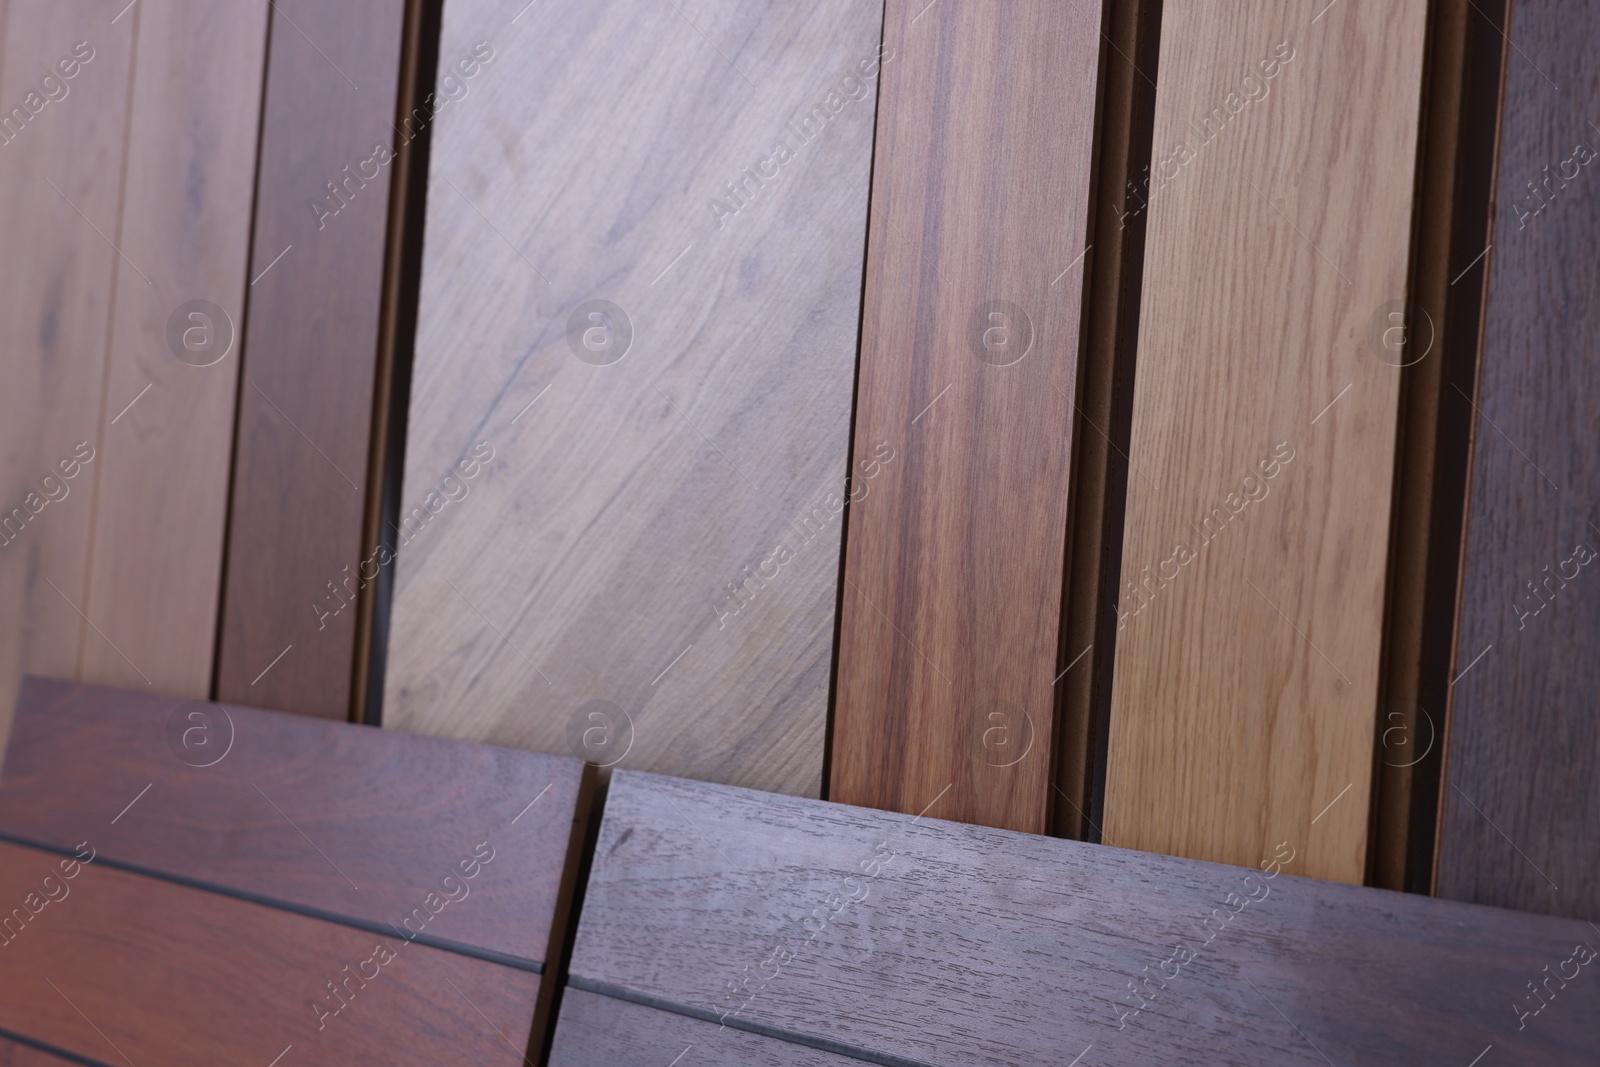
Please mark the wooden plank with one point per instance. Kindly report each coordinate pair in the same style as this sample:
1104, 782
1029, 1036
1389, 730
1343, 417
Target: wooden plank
1264, 413
161, 485
1516, 824
296, 812
917, 941
102, 956
55, 301
660, 532
951, 612
600, 1031
295, 574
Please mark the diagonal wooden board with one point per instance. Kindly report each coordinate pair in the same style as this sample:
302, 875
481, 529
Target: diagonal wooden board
749, 924
1518, 809
641, 508
1264, 411
954, 568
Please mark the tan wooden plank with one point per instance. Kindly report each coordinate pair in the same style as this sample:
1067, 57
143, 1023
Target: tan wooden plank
954, 569
1249, 622
576, 530
61, 163
161, 482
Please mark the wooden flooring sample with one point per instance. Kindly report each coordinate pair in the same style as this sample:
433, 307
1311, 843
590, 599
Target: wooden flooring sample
161, 485
630, 405
336, 820
297, 562
901, 940
951, 610
97, 970
55, 314
1265, 404
1518, 822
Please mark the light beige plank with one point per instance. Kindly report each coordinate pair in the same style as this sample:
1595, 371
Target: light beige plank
1243, 703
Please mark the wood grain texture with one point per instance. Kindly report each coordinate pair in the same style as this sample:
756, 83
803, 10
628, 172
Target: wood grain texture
55, 307
951, 612
1250, 616
161, 486
343, 821
615, 510
99, 971
601, 1031
1518, 818
311, 351
972, 945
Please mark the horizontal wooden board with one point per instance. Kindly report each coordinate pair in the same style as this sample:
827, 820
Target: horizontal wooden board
352, 823
641, 508
954, 567
916, 941
1250, 617
601, 1031
1518, 822
310, 347
122, 968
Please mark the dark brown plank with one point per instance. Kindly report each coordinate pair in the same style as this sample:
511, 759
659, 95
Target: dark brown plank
601, 1031
120, 967
970, 944
955, 559
298, 568
1518, 825
356, 824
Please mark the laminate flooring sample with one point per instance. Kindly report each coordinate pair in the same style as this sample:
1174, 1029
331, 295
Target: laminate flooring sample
629, 419
127, 166
1520, 809
775, 929
322, 891
954, 568
1265, 403
297, 560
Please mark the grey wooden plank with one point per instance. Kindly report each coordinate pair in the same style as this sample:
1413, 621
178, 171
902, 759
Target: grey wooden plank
600, 1031
973, 945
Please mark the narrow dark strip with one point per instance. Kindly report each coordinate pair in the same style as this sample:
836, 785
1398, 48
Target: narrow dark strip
793, 1037
60, 1053
472, 951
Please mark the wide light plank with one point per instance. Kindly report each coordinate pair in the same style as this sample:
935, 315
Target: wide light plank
1251, 611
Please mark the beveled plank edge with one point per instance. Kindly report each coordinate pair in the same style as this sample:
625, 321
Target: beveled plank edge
777, 1033
459, 948
23, 1041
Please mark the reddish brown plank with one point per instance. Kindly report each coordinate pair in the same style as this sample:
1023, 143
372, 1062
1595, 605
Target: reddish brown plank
955, 559
295, 576
1518, 820
918, 941
346, 821
15, 1054
119, 967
